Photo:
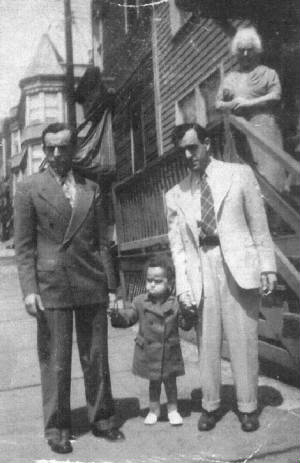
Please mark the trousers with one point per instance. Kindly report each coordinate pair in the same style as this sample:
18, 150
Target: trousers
233, 311
54, 344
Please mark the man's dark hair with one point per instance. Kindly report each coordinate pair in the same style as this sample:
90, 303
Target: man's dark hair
58, 127
163, 262
180, 130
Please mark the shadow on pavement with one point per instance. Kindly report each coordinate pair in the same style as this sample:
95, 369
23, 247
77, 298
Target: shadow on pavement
267, 396
126, 409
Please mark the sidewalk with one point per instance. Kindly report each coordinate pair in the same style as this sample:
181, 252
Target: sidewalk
21, 436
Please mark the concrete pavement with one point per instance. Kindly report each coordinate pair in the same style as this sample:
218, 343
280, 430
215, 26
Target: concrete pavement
21, 436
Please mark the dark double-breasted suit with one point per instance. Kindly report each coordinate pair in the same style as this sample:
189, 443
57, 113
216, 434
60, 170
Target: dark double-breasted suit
63, 255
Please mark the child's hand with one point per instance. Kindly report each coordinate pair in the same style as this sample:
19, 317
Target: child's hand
113, 310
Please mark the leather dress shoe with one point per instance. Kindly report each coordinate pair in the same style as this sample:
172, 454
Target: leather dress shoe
112, 435
249, 421
207, 420
62, 445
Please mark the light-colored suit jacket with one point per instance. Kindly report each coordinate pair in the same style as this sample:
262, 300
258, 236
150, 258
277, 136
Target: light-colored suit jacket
242, 227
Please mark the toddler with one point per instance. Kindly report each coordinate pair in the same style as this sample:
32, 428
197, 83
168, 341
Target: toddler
157, 355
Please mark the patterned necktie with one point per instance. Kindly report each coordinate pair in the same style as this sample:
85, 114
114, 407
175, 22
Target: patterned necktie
208, 226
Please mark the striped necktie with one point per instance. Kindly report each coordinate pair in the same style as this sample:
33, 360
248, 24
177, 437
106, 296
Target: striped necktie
208, 226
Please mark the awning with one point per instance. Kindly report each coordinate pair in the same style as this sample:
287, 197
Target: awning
96, 153
18, 160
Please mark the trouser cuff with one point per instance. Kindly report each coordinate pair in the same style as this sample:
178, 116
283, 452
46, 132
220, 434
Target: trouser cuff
210, 406
247, 407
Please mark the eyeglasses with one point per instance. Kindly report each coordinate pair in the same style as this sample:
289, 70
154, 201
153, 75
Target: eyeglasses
61, 148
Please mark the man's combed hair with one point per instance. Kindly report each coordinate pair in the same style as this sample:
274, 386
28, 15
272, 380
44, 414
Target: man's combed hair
58, 127
180, 130
163, 262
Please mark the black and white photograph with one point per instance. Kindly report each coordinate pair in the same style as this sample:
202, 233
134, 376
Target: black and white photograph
149, 231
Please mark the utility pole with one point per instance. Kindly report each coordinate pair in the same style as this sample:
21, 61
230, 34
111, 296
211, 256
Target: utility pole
71, 108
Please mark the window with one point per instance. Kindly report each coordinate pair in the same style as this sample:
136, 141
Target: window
209, 88
98, 43
15, 143
178, 17
191, 108
199, 105
37, 155
35, 108
131, 14
137, 137
52, 106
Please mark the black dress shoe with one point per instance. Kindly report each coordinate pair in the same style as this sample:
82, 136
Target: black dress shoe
207, 420
60, 446
112, 435
249, 421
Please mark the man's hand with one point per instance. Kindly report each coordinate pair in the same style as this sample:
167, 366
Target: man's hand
33, 304
186, 299
268, 282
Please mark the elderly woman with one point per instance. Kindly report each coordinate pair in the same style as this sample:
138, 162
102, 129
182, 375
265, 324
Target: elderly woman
254, 92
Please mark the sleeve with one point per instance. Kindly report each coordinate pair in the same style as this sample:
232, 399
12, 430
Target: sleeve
103, 242
176, 246
25, 224
274, 85
257, 221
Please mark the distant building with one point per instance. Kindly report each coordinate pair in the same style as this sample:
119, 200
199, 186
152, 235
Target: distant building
42, 101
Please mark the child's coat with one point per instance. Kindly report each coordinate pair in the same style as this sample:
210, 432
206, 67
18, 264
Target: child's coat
157, 353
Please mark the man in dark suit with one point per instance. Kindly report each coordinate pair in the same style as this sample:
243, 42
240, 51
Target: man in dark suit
65, 266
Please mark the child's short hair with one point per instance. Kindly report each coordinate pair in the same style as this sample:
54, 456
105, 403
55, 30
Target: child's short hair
163, 262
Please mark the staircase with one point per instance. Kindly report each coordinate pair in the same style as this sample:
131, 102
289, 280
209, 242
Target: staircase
279, 323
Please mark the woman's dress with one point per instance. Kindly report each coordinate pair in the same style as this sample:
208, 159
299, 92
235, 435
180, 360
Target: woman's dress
256, 83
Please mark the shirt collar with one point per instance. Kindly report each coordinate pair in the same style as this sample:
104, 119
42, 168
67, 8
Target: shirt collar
62, 180
195, 177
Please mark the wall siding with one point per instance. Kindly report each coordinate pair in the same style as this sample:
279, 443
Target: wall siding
185, 60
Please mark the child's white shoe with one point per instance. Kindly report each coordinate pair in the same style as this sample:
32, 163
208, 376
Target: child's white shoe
151, 418
174, 418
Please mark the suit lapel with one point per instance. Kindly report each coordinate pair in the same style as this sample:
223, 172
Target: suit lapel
83, 201
220, 180
53, 194
185, 201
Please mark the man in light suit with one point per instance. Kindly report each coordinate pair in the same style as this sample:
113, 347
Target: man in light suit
65, 266
223, 254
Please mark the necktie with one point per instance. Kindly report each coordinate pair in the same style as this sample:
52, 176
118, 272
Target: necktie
208, 224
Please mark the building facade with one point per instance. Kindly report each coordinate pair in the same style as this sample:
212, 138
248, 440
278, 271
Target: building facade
42, 101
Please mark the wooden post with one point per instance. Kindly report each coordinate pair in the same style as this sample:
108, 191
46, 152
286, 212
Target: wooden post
71, 109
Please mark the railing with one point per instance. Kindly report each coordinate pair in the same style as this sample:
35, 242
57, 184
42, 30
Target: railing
274, 199
141, 224
139, 203
140, 209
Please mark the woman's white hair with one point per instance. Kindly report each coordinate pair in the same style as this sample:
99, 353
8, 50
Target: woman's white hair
246, 36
